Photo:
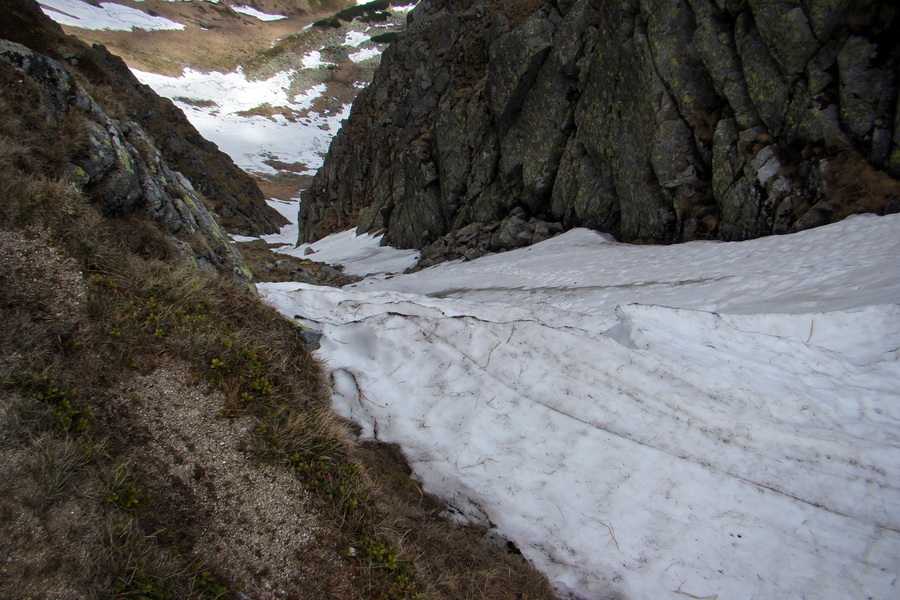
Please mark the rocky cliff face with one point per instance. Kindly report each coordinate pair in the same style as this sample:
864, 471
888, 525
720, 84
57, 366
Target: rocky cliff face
121, 157
113, 90
492, 124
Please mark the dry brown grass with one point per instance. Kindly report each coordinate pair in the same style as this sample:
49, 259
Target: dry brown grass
854, 186
283, 186
227, 39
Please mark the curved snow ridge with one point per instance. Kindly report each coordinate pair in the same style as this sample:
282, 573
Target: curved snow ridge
740, 442
842, 266
328, 305
703, 459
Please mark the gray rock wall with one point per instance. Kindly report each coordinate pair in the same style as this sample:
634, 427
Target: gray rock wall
652, 120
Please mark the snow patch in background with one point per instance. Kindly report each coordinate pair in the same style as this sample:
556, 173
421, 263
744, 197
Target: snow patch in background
364, 54
313, 60
231, 92
287, 236
252, 12
251, 140
108, 15
359, 254
354, 38
699, 420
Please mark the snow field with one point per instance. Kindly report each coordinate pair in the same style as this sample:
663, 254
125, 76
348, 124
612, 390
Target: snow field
254, 140
108, 15
739, 442
252, 12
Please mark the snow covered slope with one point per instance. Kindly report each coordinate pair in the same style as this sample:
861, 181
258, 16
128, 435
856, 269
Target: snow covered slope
105, 15
708, 420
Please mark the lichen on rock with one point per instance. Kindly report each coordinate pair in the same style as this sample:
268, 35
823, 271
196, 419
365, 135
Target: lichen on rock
117, 164
652, 120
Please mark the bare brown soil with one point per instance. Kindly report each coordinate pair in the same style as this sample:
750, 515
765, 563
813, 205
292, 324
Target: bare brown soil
251, 520
284, 185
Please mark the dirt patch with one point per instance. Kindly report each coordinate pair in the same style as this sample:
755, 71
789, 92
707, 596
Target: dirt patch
284, 186
253, 521
34, 274
41, 296
44, 505
294, 167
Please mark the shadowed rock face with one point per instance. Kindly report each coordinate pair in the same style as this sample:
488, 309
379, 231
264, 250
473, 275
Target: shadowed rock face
652, 120
227, 190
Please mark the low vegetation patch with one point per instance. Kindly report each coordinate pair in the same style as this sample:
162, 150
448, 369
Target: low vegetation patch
195, 102
385, 38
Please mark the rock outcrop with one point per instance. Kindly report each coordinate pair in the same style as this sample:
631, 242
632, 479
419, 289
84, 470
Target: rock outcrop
652, 120
116, 160
224, 189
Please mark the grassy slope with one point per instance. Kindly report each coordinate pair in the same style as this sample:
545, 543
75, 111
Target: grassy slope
118, 372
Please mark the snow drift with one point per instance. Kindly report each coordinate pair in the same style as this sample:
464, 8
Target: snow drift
706, 420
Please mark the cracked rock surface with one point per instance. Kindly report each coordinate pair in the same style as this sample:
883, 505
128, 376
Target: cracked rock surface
652, 120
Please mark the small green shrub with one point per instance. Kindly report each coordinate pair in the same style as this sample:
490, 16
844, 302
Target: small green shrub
123, 492
64, 403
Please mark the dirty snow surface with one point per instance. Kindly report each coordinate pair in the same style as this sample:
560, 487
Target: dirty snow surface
708, 420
